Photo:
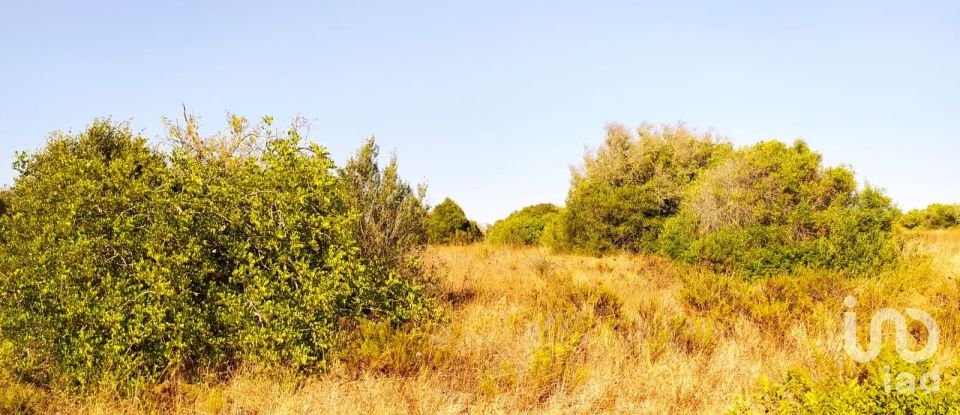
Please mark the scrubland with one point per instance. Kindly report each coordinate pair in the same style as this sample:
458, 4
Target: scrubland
527, 331
248, 273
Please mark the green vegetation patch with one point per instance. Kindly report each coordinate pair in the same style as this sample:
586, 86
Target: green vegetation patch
123, 264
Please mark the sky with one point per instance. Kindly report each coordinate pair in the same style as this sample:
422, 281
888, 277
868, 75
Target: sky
491, 102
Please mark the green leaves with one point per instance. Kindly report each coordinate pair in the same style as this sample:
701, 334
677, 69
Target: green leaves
625, 190
770, 208
524, 227
124, 264
447, 224
392, 215
873, 388
758, 210
935, 216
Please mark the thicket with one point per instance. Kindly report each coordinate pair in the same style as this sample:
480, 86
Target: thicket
935, 216
122, 264
448, 224
625, 191
771, 208
524, 227
757, 210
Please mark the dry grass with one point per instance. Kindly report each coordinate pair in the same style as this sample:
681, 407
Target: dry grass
531, 332
943, 246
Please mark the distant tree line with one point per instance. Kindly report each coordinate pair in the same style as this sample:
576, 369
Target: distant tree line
935, 216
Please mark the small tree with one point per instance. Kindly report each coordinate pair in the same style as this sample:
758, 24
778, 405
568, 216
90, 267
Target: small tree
392, 215
448, 224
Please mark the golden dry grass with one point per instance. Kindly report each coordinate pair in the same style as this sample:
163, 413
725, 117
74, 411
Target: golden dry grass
943, 246
531, 332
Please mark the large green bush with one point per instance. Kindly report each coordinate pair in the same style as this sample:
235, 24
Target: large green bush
121, 264
770, 208
447, 224
758, 210
624, 192
524, 227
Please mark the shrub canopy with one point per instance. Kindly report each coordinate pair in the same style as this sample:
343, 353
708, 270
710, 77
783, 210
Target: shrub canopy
935, 216
121, 263
447, 224
759, 210
626, 189
523, 227
771, 207
392, 223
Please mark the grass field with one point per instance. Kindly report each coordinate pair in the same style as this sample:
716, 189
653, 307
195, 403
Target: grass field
531, 332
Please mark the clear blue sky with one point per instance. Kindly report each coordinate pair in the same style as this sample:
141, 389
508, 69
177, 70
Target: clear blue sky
490, 102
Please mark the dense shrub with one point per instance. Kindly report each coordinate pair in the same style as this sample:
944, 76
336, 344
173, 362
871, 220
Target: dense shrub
624, 192
392, 223
523, 227
124, 264
759, 210
447, 224
935, 216
771, 207
77, 244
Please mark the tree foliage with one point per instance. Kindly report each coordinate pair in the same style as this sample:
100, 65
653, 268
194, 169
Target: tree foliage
448, 224
125, 264
772, 207
935, 216
392, 223
760, 209
524, 227
623, 193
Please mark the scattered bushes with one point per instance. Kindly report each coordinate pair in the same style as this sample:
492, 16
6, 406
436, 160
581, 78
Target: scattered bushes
447, 224
757, 210
523, 227
935, 216
122, 264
